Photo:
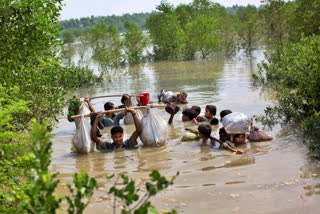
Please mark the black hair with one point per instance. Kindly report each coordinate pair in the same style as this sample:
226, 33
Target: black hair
188, 112
212, 109
108, 106
205, 130
124, 98
214, 121
196, 110
237, 135
116, 129
224, 113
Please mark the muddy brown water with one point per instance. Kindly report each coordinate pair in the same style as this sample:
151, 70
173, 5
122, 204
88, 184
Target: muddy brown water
271, 177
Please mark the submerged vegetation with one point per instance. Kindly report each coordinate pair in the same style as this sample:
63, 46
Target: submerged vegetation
292, 67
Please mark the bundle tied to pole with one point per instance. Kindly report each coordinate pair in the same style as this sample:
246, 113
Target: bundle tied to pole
123, 109
154, 129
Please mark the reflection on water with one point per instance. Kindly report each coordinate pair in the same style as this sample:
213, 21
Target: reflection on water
271, 177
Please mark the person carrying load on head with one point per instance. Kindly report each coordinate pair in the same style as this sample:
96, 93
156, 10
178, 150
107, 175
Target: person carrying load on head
169, 96
116, 134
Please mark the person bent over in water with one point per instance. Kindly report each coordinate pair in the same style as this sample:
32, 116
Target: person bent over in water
169, 96
187, 114
116, 134
204, 132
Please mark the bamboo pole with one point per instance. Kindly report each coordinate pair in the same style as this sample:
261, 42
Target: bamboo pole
116, 95
123, 109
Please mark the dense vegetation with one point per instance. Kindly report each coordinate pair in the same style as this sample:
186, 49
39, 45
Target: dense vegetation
33, 84
37, 72
292, 68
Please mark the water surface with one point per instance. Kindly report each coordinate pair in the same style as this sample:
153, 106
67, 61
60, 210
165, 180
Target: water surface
271, 177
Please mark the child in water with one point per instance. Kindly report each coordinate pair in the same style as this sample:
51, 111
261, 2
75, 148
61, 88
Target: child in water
204, 132
209, 115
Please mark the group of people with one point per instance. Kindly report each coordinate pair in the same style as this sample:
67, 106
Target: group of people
227, 141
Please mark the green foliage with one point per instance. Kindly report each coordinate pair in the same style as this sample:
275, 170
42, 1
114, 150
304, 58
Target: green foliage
249, 26
75, 76
106, 44
73, 107
166, 34
28, 56
83, 37
68, 50
67, 37
39, 196
134, 43
27, 186
293, 71
129, 195
203, 34
84, 189
178, 33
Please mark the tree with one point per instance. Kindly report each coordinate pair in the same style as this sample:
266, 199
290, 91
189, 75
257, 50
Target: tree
106, 44
248, 26
167, 36
203, 32
68, 50
134, 43
273, 15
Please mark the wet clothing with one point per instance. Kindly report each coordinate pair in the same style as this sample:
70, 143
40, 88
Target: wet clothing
110, 146
107, 121
223, 135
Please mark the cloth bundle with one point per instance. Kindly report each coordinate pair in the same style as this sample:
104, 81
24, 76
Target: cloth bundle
154, 129
128, 119
236, 123
82, 140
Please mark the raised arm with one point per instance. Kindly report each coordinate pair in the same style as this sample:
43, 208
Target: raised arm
172, 110
90, 104
138, 130
93, 132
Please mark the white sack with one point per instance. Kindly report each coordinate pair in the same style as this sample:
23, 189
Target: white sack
166, 96
82, 140
154, 130
128, 119
236, 123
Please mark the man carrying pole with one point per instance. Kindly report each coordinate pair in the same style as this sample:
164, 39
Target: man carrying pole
116, 134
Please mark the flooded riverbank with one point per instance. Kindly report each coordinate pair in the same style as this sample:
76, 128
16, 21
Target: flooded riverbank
271, 177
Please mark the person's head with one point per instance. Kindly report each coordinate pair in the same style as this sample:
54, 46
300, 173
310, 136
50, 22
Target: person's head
224, 113
239, 138
117, 135
184, 95
124, 98
108, 106
187, 114
196, 110
204, 131
210, 111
